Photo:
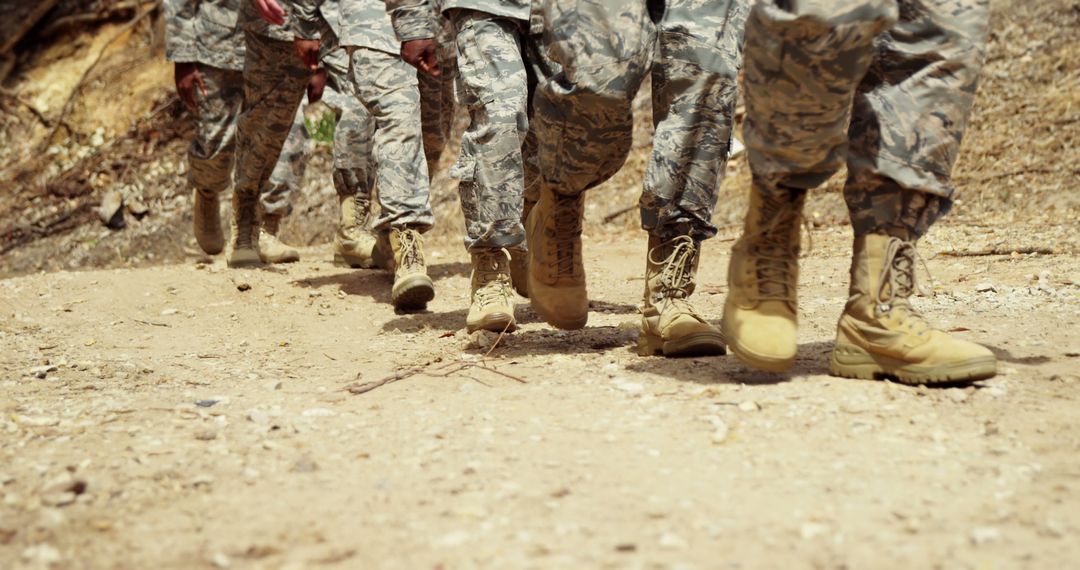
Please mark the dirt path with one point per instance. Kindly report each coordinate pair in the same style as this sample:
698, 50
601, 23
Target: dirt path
163, 418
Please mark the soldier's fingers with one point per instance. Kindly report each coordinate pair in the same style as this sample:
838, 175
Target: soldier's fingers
202, 85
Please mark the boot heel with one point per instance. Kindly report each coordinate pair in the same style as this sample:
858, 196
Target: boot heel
649, 344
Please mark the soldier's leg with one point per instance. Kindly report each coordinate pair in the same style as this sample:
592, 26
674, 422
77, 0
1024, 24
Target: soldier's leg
908, 121
275, 200
695, 75
212, 152
274, 81
387, 87
437, 96
804, 60
494, 87
354, 175
595, 54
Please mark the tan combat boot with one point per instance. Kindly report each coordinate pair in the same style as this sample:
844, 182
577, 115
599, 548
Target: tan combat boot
243, 249
669, 324
207, 222
881, 335
412, 286
760, 314
492, 304
271, 249
556, 274
519, 258
354, 243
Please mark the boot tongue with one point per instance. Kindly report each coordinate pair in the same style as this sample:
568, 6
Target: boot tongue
776, 250
567, 227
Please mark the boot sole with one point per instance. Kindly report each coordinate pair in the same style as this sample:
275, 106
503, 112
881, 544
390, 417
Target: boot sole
238, 260
413, 293
283, 259
556, 320
350, 261
495, 323
752, 359
698, 344
849, 361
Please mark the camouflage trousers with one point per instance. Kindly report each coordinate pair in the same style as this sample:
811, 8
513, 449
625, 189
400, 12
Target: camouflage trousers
352, 137
385, 141
494, 85
883, 86
695, 82
212, 155
274, 84
437, 97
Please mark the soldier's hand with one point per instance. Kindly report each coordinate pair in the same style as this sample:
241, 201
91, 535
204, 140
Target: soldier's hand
188, 79
316, 86
308, 50
271, 11
421, 55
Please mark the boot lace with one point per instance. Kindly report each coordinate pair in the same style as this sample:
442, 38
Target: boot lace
567, 214
898, 282
677, 274
775, 252
363, 210
494, 279
247, 229
412, 259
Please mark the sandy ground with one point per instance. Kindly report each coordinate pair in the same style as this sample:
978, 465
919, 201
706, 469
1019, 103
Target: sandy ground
164, 418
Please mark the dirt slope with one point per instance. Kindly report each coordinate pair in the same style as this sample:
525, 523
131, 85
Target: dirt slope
162, 417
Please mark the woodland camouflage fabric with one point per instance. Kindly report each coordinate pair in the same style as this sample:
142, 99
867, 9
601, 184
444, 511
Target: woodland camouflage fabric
204, 31
911, 69
695, 82
274, 84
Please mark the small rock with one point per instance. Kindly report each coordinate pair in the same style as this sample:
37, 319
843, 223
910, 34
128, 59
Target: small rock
720, 435
305, 465
812, 530
243, 286
60, 499
672, 541
626, 547
984, 535
957, 395
482, 340
5, 479
749, 406
208, 403
169, 312
111, 210
318, 413
220, 560
41, 372
985, 287
259, 417
41, 555
628, 387
202, 480
453, 539
38, 421
206, 435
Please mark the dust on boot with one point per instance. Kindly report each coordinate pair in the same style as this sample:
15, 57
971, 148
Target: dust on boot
354, 243
272, 249
881, 335
670, 326
412, 287
556, 274
492, 301
760, 321
207, 222
243, 248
